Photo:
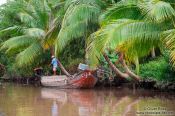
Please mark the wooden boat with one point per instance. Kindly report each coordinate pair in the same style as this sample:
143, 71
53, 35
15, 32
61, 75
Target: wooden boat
84, 79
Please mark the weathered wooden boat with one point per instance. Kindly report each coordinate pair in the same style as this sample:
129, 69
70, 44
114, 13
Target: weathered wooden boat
84, 79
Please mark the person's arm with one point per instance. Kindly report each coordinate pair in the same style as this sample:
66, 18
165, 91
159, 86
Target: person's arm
51, 63
57, 61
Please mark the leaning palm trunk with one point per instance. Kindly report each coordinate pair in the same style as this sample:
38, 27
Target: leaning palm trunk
63, 69
129, 72
52, 51
120, 74
114, 68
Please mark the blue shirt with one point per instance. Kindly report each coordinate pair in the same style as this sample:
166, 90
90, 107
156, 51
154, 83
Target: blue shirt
54, 62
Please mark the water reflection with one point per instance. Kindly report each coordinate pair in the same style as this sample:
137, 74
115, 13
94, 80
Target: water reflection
17, 100
83, 100
121, 102
54, 109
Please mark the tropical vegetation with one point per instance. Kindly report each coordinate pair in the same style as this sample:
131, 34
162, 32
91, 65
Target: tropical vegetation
122, 35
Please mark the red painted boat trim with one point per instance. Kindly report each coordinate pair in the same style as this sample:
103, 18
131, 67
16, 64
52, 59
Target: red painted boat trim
86, 80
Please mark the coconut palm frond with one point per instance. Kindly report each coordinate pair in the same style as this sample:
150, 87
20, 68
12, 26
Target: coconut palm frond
81, 12
69, 3
169, 40
29, 55
138, 48
26, 18
52, 33
115, 34
38, 23
157, 11
68, 34
76, 21
51, 36
34, 33
123, 9
12, 29
17, 42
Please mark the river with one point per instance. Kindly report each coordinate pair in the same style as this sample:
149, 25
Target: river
27, 100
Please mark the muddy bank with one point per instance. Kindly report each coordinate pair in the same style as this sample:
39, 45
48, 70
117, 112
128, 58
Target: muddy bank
117, 82
144, 83
26, 80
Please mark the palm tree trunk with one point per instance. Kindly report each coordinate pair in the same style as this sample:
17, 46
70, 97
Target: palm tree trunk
52, 51
63, 69
129, 72
114, 68
137, 65
153, 54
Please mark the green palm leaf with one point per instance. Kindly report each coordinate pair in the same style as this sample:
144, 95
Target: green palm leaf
9, 30
38, 24
169, 40
35, 33
76, 20
17, 42
29, 55
68, 34
26, 18
157, 11
123, 9
115, 34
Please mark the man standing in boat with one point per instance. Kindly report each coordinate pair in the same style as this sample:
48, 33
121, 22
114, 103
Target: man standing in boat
54, 64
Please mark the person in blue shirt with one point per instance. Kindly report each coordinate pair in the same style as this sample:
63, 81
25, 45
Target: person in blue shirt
54, 64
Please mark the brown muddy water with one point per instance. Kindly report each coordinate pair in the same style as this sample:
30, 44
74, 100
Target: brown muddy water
23, 100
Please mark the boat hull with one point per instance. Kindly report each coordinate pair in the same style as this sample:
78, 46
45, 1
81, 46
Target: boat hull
82, 80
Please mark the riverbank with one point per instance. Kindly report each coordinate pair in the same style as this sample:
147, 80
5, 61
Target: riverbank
27, 80
143, 84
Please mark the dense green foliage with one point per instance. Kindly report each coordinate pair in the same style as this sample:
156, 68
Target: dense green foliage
83, 31
157, 69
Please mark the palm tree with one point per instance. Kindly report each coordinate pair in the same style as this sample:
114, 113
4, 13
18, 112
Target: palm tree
131, 28
37, 26
43, 26
80, 19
